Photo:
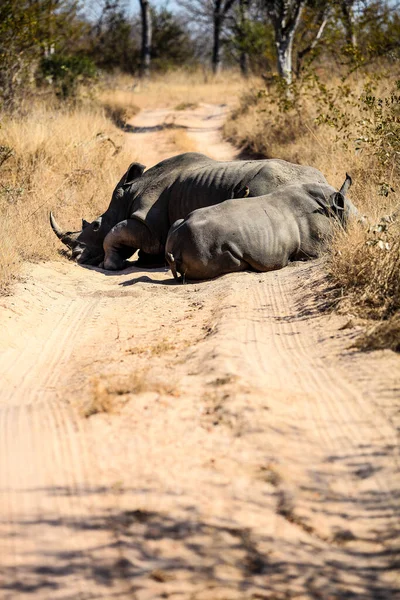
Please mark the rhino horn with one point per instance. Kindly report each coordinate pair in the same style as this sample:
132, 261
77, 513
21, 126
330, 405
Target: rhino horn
66, 237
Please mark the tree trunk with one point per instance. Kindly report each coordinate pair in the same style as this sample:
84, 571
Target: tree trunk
323, 20
285, 16
244, 64
243, 16
145, 56
349, 22
216, 51
284, 47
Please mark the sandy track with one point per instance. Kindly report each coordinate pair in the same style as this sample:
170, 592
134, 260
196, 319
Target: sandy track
246, 451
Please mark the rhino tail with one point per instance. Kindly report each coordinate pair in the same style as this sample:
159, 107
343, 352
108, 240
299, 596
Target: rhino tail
172, 265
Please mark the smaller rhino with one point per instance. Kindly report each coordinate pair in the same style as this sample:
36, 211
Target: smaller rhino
262, 234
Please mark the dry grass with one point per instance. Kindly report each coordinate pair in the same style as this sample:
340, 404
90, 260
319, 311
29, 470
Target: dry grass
186, 106
368, 270
364, 261
181, 142
385, 334
119, 105
101, 400
180, 89
107, 396
158, 349
65, 160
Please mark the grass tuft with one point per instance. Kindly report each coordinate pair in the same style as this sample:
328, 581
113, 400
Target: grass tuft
385, 334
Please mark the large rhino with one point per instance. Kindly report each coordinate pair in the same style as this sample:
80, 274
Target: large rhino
145, 204
261, 234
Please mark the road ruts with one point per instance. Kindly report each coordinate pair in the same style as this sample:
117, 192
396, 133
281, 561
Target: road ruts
247, 453
46, 472
336, 448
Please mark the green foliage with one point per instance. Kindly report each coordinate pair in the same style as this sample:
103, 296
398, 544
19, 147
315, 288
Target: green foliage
377, 131
113, 43
254, 38
378, 32
66, 72
18, 48
29, 30
171, 45
361, 119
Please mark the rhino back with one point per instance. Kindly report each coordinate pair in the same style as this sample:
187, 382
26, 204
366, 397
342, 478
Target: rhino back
263, 234
217, 182
174, 188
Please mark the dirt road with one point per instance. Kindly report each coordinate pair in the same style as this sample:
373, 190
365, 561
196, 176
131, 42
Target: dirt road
215, 441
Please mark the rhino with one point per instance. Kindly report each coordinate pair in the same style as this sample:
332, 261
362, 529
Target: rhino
145, 203
262, 234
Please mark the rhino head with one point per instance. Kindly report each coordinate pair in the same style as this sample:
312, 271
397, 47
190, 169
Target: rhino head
87, 244
343, 206
335, 204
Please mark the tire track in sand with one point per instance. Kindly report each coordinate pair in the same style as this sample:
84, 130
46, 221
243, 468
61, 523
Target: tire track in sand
269, 470
336, 457
46, 471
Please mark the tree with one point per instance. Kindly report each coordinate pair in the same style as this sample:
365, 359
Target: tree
171, 43
220, 10
145, 54
212, 12
243, 17
29, 31
285, 17
249, 38
113, 45
347, 8
316, 15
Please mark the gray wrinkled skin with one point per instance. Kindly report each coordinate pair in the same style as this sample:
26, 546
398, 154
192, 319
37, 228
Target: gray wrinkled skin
145, 204
262, 233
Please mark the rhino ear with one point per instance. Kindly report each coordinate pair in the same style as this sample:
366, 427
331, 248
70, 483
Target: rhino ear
135, 170
346, 185
337, 203
85, 223
97, 224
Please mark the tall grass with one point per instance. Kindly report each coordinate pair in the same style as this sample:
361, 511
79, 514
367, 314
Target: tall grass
342, 127
62, 159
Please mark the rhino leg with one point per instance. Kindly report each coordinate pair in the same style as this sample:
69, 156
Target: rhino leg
124, 239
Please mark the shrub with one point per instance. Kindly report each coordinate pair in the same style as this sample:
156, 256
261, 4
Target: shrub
349, 124
65, 72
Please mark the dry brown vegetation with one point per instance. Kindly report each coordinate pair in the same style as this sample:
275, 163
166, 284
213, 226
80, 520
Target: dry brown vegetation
109, 394
181, 90
119, 106
348, 132
65, 159
179, 139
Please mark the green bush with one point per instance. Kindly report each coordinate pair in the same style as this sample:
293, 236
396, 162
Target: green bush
65, 72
